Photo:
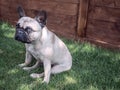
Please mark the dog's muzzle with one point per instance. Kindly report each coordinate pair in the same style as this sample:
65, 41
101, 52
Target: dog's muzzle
22, 36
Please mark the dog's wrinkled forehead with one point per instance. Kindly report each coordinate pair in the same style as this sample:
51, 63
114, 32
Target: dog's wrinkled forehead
29, 22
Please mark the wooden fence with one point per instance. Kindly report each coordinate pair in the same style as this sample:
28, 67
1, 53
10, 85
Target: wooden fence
97, 21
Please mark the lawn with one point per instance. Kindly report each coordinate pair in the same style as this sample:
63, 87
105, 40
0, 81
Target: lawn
94, 68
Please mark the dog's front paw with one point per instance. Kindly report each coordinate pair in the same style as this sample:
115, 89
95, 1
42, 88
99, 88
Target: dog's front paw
27, 68
35, 75
45, 81
22, 65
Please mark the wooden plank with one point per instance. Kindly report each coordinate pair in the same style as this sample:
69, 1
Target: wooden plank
102, 44
107, 3
63, 1
82, 17
57, 7
62, 21
66, 1
8, 11
62, 31
105, 14
59, 20
117, 2
4, 10
104, 32
3, 2
0, 9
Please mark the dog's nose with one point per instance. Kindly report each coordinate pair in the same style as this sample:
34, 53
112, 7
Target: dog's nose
19, 35
20, 32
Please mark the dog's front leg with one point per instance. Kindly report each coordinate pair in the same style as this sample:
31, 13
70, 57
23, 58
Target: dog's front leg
47, 70
28, 59
33, 67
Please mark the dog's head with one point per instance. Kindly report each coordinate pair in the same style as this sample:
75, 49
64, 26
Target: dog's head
29, 29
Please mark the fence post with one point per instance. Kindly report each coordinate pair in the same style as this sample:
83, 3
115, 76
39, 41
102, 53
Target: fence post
82, 17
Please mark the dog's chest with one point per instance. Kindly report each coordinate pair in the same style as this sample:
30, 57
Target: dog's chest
41, 53
36, 53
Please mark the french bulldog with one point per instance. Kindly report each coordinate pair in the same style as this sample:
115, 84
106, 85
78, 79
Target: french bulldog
42, 44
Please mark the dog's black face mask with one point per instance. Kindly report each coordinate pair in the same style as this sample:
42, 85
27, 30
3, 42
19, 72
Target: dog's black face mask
22, 34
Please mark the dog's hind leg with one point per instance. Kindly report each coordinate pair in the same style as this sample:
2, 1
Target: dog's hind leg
60, 68
33, 67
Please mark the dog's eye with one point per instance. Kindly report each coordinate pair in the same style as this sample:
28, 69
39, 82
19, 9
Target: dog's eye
28, 30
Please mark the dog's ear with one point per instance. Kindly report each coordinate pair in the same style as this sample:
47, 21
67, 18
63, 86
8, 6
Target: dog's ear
41, 17
21, 11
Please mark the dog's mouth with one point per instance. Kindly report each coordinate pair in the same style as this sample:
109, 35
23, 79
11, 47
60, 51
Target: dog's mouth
23, 40
22, 36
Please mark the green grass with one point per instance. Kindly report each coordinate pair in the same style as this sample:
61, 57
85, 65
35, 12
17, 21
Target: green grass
93, 68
